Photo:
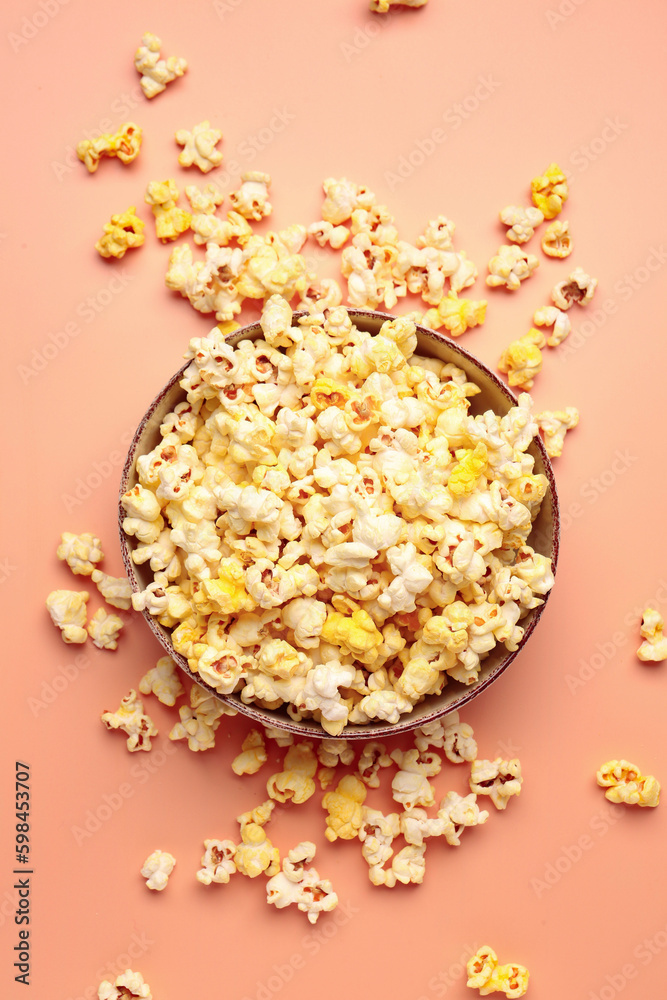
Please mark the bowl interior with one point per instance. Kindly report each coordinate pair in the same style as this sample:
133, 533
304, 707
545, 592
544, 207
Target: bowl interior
494, 395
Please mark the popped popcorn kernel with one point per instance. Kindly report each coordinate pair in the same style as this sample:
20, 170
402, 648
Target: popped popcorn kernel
199, 147
344, 808
104, 629
124, 232
654, 647
550, 191
577, 288
554, 425
382, 6
155, 72
625, 784
125, 144
157, 868
68, 612
464, 477
253, 754
295, 782
556, 318
163, 681
485, 975
218, 863
251, 200
522, 360
80, 552
116, 590
557, 241
256, 855
131, 719
499, 779
126, 986
522, 222
510, 267
170, 221
455, 314
297, 884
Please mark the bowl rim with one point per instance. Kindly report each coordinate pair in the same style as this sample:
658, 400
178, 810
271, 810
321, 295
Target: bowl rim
310, 728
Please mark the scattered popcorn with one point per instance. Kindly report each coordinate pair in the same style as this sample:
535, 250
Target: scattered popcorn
127, 985
455, 314
523, 222
522, 360
200, 721
556, 318
131, 719
253, 754
218, 863
342, 198
332, 752
407, 866
68, 612
104, 629
500, 779
557, 241
204, 201
578, 287
251, 200
382, 6
256, 854
373, 757
163, 681
301, 885
170, 221
485, 975
554, 425
125, 144
550, 191
124, 232
344, 808
199, 147
625, 783
156, 73
327, 234
260, 815
510, 267
410, 785
654, 647
295, 782
157, 868
80, 552
115, 590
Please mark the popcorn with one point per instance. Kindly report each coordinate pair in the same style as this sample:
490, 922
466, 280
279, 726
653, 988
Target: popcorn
408, 865
487, 976
295, 781
127, 985
559, 320
104, 629
523, 222
204, 201
157, 868
124, 232
198, 724
332, 752
115, 590
199, 147
382, 6
301, 885
578, 287
344, 809
80, 552
410, 785
654, 647
163, 681
131, 719
256, 854
510, 267
550, 191
68, 612
327, 234
455, 314
253, 754
554, 425
218, 863
373, 757
156, 73
260, 814
500, 779
456, 813
320, 694
625, 783
522, 360
557, 241
170, 221
251, 200
125, 144
342, 198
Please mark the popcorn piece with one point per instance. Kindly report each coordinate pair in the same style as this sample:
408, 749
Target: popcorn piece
557, 241
455, 314
170, 221
487, 976
654, 647
253, 754
131, 719
456, 813
260, 815
256, 854
80, 552
301, 885
218, 863
199, 147
115, 590
124, 232
197, 725
550, 191
156, 73
410, 785
163, 681
382, 6
559, 320
523, 222
327, 234
344, 808
500, 779
522, 360
157, 868
68, 612
342, 198
330, 753
204, 201
295, 781
578, 287
625, 783
125, 144
127, 985
373, 756
510, 267
554, 425
408, 865
251, 200
104, 629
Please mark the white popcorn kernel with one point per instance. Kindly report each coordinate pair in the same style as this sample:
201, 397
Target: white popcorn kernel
510, 267
199, 147
523, 222
499, 779
68, 612
577, 288
554, 425
127, 986
104, 629
157, 868
156, 73
115, 590
654, 647
251, 200
556, 318
131, 719
80, 552
302, 886
218, 863
163, 681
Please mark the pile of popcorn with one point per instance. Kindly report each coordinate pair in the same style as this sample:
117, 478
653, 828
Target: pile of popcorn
328, 526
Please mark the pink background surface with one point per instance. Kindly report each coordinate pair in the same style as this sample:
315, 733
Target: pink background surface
562, 881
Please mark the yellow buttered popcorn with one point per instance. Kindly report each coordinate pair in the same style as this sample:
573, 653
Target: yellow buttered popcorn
131, 719
654, 647
170, 221
125, 144
218, 863
510, 267
199, 147
124, 232
455, 314
344, 809
115, 590
295, 782
472, 464
253, 754
68, 612
625, 784
355, 633
522, 222
522, 360
550, 191
256, 855
156, 73
163, 681
485, 975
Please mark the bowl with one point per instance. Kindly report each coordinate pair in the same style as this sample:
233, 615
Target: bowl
544, 537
